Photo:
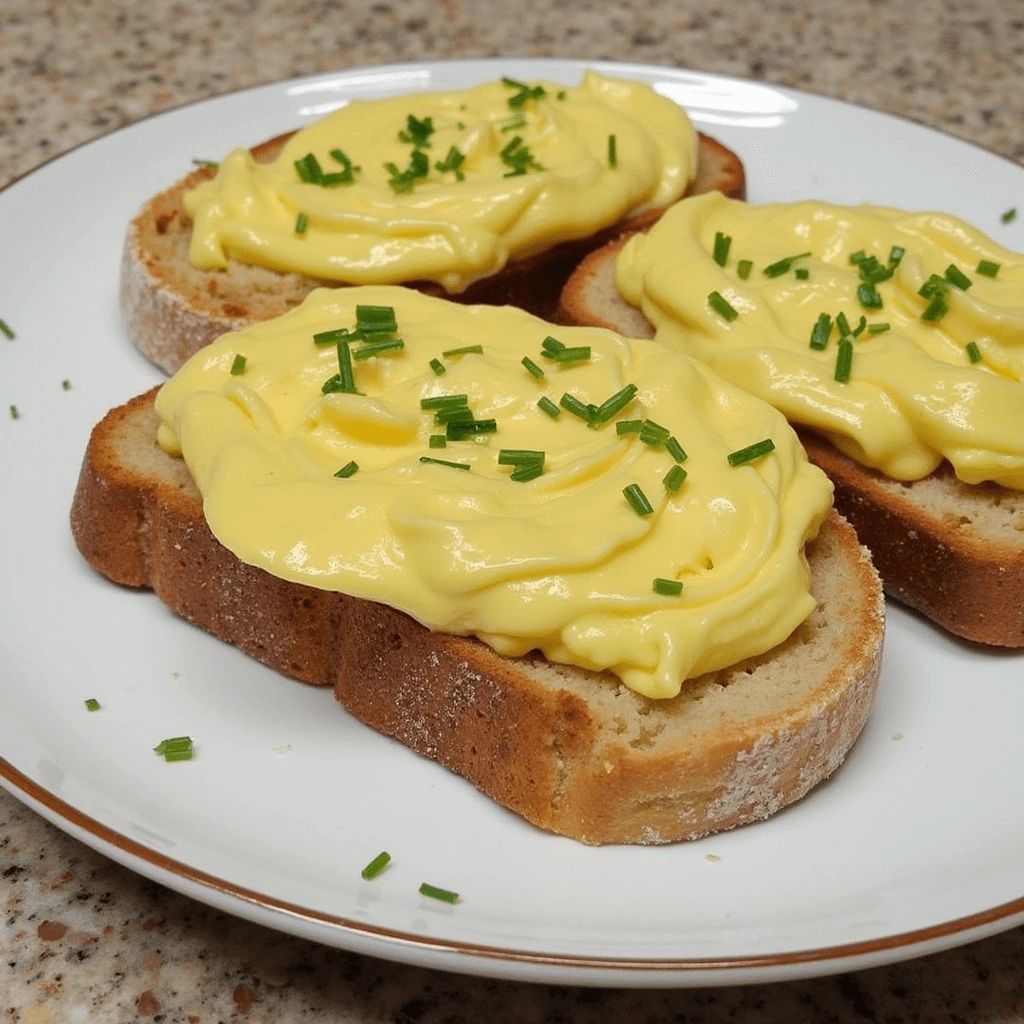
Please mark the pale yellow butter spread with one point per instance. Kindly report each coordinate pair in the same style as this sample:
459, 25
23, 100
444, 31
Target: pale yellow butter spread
914, 397
442, 229
561, 563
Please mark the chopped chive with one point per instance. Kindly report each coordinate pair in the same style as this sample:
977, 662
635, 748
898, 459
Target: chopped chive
675, 449
858, 257
532, 368
674, 478
92, 704
720, 253
868, 297
177, 748
514, 123
460, 430
780, 267
896, 253
608, 408
339, 157
1009, 215
178, 755
985, 267
438, 441
873, 272
743, 269
348, 381
935, 285
613, 155
349, 469
936, 309
667, 588
752, 452
309, 169
801, 273
844, 361
544, 404
653, 434
14, 412
572, 404
443, 401
301, 223
628, 427
821, 331
519, 456
443, 462
417, 131
637, 500
860, 328
8, 333
518, 156
721, 307
434, 893
452, 163
376, 319
376, 866
877, 328
550, 344
465, 350
378, 348
338, 178
204, 163
338, 334
454, 414
238, 366
65, 385
973, 352
843, 325
524, 474
438, 367
955, 276
560, 95
567, 355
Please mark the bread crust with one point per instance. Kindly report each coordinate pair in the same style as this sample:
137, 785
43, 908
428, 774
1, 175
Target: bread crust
171, 309
926, 537
573, 752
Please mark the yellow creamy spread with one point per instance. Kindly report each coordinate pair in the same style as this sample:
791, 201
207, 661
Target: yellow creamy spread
942, 380
563, 562
503, 171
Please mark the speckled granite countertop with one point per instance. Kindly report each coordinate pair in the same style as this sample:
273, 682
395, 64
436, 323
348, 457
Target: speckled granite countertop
85, 940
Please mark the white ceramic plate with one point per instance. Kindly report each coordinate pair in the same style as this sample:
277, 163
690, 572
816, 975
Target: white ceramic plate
913, 846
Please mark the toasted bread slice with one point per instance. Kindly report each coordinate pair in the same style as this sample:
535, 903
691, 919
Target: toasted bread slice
953, 551
572, 751
172, 309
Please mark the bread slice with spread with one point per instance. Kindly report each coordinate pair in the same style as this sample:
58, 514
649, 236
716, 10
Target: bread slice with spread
611, 669
912, 403
485, 225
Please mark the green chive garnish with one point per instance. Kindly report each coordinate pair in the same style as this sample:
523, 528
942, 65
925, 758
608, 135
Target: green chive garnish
65, 385
857, 257
567, 355
844, 360
519, 456
465, 350
434, 893
92, 704
985, 267
14, 412
843, 325
338, 334
309, 169
376, 866
868, 297
877, 328
544, 404
204, 163
6, 331
532, 368
628, 427
376, 319
743, 269
720, 254
674, 478
438, 441
301, 223
444, 401
417, 131
653, 434
821, 331
973, 352
443, 462
550, 344
1009, 215
860, 328
525, 474
896, 253
560, 95
572, 404
935, 285
345, 373
460, 430
667, 588
613, 156
238, 366
608, 408
349, 469
177, 748
955, 276
378, 348
675, 449
937, 308
721, 307
801, 273
438, 367
780, 267
452, 163
518, 156
454, 414
637, 500
752, 452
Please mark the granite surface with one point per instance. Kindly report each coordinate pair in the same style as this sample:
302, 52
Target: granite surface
83, 939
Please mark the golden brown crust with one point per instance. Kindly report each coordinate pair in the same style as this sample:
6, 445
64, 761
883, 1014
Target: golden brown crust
172, 310
931, 554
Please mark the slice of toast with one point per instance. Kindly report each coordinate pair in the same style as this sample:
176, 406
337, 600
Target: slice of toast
574, 752
953, 551
172, 309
